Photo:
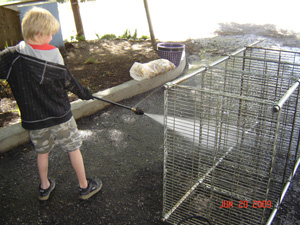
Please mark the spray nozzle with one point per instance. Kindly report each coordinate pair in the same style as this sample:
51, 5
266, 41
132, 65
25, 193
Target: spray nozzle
137, 111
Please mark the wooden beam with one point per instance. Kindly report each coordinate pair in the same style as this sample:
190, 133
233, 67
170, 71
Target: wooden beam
10, 28
150, 25
77, 18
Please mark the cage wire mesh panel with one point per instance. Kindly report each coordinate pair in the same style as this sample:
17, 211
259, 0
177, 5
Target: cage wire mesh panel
228, 155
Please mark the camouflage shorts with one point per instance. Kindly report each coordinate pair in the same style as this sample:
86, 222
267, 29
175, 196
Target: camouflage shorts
65, 135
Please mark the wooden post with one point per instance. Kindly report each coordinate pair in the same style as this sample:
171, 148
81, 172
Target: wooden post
77, 18
150, 25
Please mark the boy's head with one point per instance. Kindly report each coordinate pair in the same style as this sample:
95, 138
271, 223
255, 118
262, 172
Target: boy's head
38, 21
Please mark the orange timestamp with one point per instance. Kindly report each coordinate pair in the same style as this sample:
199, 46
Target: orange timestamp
245, 204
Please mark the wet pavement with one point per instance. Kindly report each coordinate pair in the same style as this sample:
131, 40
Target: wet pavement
126, 151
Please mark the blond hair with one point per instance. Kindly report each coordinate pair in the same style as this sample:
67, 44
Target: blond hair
38, 21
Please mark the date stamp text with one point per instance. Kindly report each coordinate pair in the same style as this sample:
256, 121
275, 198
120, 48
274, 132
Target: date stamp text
245, 204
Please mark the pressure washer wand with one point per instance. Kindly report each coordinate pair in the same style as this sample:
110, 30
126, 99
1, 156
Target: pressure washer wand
135, 110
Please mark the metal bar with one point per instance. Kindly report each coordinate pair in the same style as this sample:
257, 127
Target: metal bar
167, 85
298, 144
269, 60
272, 216
285, 97
278, 50
114, 103
291, 139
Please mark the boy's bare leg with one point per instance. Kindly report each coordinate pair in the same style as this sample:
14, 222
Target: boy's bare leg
78, 165
42, 161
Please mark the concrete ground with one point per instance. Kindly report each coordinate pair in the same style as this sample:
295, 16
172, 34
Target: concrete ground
126, 151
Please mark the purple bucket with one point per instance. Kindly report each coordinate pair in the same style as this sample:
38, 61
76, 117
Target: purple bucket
171, 52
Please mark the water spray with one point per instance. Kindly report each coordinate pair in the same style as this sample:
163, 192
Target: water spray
135, 110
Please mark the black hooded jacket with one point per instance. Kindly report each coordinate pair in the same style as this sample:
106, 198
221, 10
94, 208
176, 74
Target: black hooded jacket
40, 88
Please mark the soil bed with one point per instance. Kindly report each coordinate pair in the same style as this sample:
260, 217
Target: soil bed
101, 64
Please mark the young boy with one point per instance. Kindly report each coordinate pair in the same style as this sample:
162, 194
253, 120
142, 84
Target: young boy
39, 80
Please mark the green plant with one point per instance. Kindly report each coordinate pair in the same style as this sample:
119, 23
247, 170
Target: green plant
6, 45
144, 37
202, 53
134, 36
91, 61
76, 37
80, 38
126, 35
108, 37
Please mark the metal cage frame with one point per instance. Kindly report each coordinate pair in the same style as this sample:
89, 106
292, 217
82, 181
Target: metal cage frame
231, 138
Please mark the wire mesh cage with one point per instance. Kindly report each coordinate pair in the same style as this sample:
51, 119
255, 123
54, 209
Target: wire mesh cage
231, 136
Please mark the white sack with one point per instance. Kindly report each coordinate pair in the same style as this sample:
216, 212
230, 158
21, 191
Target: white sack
141, 71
